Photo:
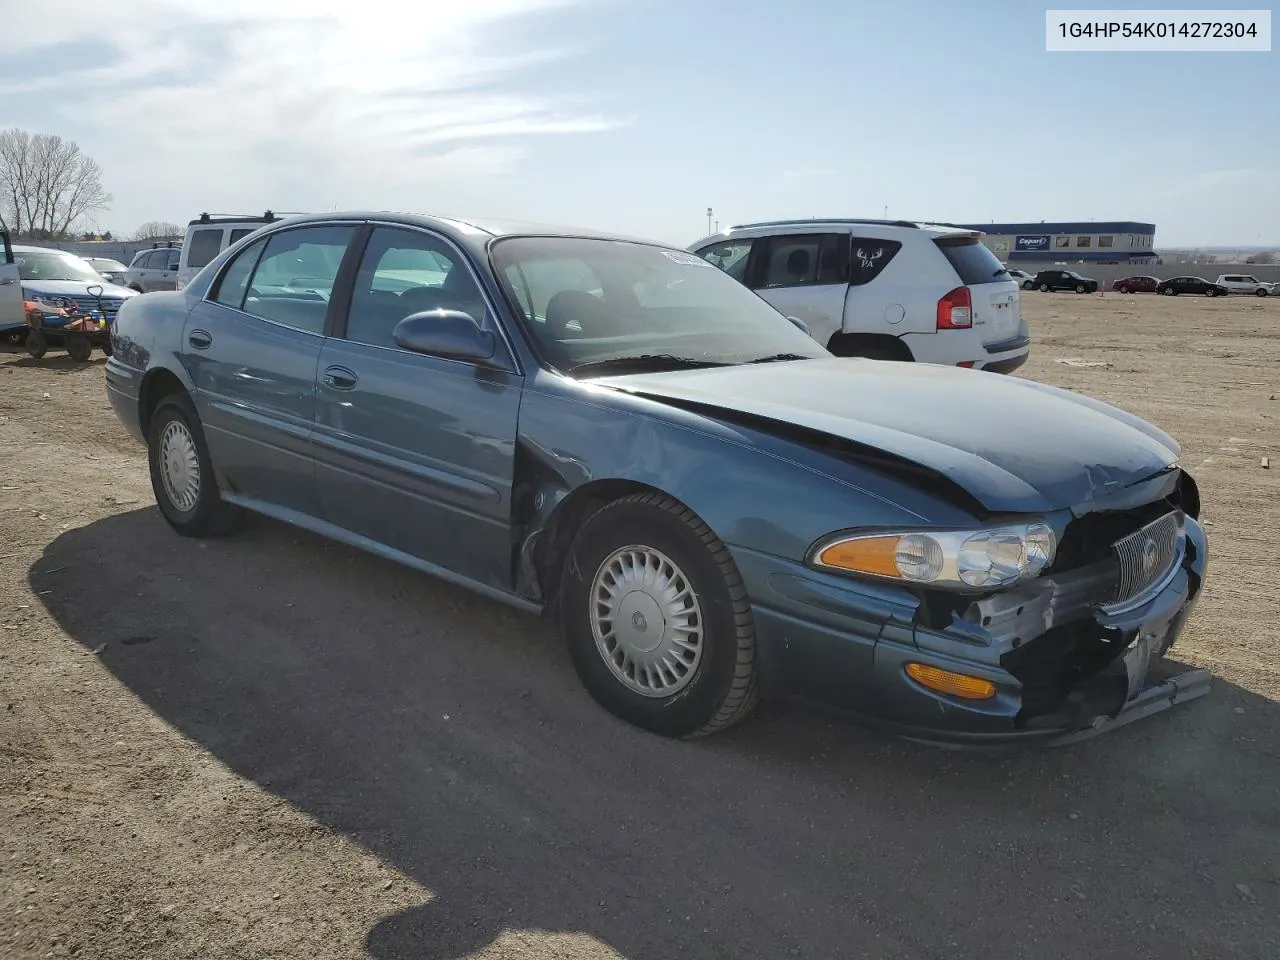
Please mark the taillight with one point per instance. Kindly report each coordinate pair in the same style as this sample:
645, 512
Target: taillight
955, 310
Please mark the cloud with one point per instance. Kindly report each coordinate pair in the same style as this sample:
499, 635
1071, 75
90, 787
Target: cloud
217, 99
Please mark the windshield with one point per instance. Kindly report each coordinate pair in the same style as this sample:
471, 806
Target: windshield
587, 301
53, 265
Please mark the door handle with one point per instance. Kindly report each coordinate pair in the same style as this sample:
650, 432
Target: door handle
340, 378
200, 339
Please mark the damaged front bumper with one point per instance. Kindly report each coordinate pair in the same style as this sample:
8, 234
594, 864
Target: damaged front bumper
1063, 667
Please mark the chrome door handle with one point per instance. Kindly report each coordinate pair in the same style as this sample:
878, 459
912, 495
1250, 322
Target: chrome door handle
200, 339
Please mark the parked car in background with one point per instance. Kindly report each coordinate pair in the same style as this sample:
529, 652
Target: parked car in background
887, 290
155, 269
209, 234
1023, 279
13, 317
618, 435
1053, 280
1136, 284
1244, 283
1178, 285
55, 282
112, 271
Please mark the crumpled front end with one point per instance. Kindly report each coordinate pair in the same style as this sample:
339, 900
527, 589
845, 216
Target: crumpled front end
1069, 653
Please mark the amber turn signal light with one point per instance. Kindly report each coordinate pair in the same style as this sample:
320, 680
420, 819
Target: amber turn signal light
956, 684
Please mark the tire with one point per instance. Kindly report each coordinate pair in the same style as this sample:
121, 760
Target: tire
1122, 289
107, 349
1260, 292
878, 352
207, 515
720, 686
1080, 288
1044, 288
78, 347
1028, 285
37, 344
1169, 292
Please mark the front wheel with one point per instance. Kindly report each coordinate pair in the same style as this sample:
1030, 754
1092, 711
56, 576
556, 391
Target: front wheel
37, 344
182, 474
1122, 289
1260, 292
1168, 291
657, 620
1080, 288
1044, 288
78, 347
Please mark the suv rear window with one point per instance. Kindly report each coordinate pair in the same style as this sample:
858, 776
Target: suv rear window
204, 246
239, 234
972, 261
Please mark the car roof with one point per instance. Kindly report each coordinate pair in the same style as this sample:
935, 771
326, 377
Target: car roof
926, 227
475, 232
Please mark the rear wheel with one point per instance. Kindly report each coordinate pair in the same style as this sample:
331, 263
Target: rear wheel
181, 472
37, 344
657, 620
78, 347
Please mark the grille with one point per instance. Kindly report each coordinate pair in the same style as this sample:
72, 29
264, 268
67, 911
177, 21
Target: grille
1145, 557
109, 306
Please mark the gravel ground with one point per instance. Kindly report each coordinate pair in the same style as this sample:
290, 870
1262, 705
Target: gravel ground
273, 746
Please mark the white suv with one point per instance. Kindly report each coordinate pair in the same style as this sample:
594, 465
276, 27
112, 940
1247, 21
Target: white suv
209, 234
1243, 283
887, 289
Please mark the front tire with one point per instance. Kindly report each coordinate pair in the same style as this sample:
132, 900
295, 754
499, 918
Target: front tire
1080, 288
1122, 289
78, 347
656, 618
1260, 292
182, 474
1169, 292
37, 344
1044, 288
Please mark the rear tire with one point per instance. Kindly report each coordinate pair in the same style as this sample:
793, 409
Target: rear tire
37, 344
182, 473
657, 620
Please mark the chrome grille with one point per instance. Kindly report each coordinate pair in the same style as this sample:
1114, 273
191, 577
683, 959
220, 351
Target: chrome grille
1146, 557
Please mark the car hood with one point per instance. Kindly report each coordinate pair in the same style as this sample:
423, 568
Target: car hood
1012, 444
76, 288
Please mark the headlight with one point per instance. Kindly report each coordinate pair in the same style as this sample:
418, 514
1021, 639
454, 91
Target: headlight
948, 559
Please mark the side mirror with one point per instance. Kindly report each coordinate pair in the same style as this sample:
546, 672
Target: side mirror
804, 327
445, 333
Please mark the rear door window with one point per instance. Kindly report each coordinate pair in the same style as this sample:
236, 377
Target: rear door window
971, 260
204, 246
239, 234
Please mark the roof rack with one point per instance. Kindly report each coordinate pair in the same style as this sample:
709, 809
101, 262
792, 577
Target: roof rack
810, 220
267, 217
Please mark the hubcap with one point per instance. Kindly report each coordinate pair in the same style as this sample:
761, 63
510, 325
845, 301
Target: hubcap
646, 621
180, 466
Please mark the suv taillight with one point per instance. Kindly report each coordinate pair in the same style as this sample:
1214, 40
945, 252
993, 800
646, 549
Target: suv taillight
955, 310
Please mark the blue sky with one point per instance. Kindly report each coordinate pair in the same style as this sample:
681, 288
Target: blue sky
636, 115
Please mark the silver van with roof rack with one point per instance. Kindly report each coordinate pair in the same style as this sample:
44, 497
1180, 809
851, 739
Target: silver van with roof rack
211, 233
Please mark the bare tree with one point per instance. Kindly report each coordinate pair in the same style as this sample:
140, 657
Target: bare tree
1265, 257
158, 230
47, 184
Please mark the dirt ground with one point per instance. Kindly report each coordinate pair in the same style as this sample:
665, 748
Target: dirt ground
273, 746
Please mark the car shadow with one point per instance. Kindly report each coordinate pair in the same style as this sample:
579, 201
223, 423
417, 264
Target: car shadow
449, 736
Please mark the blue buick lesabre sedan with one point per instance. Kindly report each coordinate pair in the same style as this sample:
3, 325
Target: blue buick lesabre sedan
711, 506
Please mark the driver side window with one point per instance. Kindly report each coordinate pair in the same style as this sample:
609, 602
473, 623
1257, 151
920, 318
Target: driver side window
403, 272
